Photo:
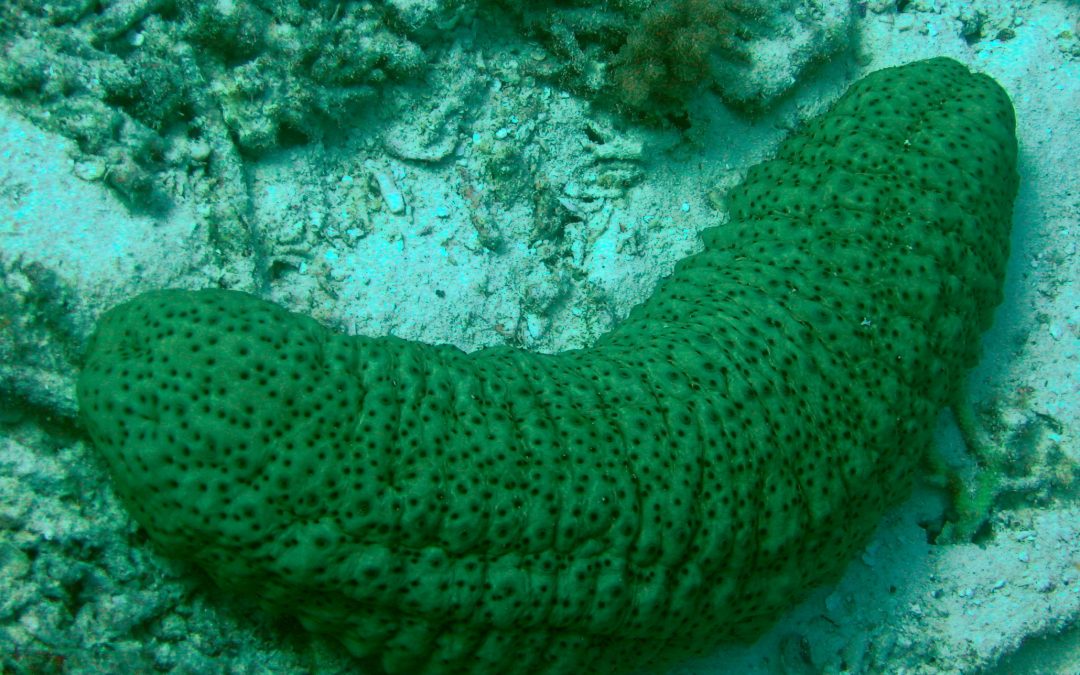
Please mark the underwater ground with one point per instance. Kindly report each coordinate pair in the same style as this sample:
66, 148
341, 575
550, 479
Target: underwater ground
493, 174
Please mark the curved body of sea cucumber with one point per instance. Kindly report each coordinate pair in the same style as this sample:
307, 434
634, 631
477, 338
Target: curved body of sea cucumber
678, 484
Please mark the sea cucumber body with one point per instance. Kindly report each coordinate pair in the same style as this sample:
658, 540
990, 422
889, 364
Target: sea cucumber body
678, 484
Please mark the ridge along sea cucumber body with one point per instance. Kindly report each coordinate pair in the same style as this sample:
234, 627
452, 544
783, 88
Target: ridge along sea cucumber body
678, 484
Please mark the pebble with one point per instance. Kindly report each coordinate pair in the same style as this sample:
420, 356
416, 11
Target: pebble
199, 151
90, 170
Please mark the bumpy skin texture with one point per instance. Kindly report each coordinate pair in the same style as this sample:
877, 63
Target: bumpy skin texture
680, 483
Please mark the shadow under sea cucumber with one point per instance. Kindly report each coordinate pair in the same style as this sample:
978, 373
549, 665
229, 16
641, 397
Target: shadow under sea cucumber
680, 483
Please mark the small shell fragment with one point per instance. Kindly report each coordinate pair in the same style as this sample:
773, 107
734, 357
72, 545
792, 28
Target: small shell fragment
392, 196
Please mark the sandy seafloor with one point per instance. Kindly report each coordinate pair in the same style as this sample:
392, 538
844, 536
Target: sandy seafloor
81, 591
